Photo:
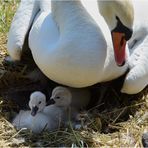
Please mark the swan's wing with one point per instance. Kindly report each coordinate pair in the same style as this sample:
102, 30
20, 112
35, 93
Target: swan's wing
45, 5
137, 78
20, 26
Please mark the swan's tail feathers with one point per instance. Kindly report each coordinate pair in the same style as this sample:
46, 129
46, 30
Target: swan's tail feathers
20, 26
135, 81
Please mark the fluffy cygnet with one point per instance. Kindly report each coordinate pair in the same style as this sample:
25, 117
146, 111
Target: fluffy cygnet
75, 97
69, 101
35, 119
59, 106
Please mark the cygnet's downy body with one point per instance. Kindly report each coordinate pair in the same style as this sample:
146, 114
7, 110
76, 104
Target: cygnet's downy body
35, 119
59, 106
70, 101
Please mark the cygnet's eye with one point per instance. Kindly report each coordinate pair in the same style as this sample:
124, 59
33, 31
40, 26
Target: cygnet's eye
57, 97
39, 102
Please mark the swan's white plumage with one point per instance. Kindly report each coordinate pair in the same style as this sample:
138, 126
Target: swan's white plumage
44, 35
20, 26
137, 78
75, 58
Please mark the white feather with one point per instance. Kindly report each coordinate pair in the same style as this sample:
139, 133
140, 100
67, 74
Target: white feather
137, 78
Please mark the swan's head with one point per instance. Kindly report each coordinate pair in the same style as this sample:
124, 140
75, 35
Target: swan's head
61, 96
37, 102
119, 15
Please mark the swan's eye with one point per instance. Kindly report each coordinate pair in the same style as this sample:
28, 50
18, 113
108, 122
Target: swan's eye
57, 97
39, 102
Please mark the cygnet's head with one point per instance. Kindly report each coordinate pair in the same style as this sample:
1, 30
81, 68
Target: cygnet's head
37, 102
119, 15
61, 96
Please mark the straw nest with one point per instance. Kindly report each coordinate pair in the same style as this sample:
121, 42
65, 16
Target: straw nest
119, 121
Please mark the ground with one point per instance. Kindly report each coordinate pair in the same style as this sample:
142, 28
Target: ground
119, 121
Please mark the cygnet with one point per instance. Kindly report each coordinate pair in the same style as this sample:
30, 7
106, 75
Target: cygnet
68, 102
79, 97
35, 119
59, 106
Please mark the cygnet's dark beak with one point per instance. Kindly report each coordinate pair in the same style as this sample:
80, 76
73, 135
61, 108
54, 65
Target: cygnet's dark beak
34, 110
50, 102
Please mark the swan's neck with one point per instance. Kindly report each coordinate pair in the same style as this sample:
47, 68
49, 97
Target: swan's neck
66, 12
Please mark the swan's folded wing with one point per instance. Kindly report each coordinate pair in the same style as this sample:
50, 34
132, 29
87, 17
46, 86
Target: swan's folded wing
137, 78
45, 5
20, 26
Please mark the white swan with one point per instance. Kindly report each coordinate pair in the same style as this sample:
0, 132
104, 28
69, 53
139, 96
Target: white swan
69, 46
35, 119
137, 78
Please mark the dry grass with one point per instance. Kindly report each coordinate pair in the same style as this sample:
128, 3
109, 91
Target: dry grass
7, 9
119, 125
119, 131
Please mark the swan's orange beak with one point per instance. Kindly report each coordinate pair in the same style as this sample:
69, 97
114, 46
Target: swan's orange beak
119, 44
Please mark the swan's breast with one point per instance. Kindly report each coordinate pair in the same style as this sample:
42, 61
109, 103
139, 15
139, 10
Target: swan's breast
75, 56
44, 33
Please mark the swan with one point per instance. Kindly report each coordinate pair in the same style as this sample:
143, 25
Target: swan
137, 77
68, 101
56, 110
42, 117
78, 98
35, 119
73, 49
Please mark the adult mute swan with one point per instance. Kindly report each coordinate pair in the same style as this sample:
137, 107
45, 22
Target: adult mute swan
71, 48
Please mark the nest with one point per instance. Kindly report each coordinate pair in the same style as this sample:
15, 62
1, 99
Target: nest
119, 120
